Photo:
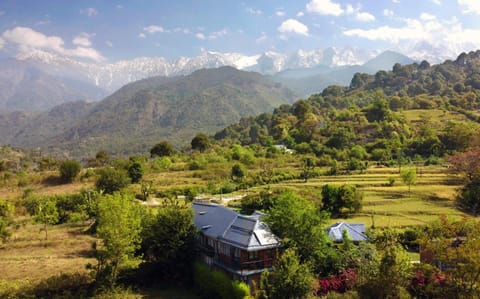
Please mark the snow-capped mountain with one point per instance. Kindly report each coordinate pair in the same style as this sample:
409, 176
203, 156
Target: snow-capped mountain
111, 76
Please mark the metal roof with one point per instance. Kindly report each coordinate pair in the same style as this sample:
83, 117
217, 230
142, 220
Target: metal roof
247, 232
356, 231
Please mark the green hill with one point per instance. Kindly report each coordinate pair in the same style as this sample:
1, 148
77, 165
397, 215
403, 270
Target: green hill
415, 110
142, 113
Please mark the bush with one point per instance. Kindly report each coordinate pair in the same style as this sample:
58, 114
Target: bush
215, 284
69, 169
111, 180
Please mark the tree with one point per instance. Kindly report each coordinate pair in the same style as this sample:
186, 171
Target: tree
69, 169
468, 198
102, 158
467, 163
454, 247
168, 239
297, 221
46, 213
162, 149
289, 279
308, 166
337, 198
200, 142
145, 189
238, 172
409, 177
119, 227
388, 276
111, 180
135, 171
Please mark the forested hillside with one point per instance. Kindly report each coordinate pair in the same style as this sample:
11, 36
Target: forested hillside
412, 110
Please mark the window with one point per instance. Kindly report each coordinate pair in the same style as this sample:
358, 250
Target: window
253, 255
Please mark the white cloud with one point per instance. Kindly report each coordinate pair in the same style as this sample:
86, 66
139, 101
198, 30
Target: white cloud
427, 17
153, 29
83, 40
470, 6
359, 15
27, 39
217, 34
109, 43
396, 1
364, 17
413, 30
254, 11
89, 11
280, 13
142, 35
438, 2
200, 36
388, 13
349, 9
300, 14
293, 26
119, 6
324, 7
2, 43
434, 31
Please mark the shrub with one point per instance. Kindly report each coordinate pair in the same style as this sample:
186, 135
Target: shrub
69, 169
215, 284
111, 180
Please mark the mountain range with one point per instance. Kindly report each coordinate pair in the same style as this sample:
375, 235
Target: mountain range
142, 113
39, 80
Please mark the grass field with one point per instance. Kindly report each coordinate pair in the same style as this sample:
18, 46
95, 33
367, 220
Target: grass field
27, 258
394, 206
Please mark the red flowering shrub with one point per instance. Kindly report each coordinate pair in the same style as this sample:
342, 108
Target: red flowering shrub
339, 283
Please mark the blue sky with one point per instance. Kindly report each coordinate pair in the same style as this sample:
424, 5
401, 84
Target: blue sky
109, 31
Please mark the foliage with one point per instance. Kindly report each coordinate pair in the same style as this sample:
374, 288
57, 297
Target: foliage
46, 213
467, 163
69, 169
454, 248
135, 171
468, 198
238, 172
162, 149
308, 166
119, 227
409, 177
337, 283
298, 223
200, 142
111, 180
336, 199
289, 278
390, 276
215, 284
168, 239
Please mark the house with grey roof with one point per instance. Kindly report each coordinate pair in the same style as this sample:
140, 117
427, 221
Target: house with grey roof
242, 246
356, 232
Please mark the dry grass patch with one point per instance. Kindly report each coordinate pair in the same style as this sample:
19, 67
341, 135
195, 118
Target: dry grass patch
27, 255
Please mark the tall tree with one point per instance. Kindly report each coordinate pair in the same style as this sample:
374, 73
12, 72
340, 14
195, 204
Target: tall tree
297, 221
119, 227
168, 239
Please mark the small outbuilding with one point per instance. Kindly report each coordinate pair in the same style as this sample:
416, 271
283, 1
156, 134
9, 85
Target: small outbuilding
356, 232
